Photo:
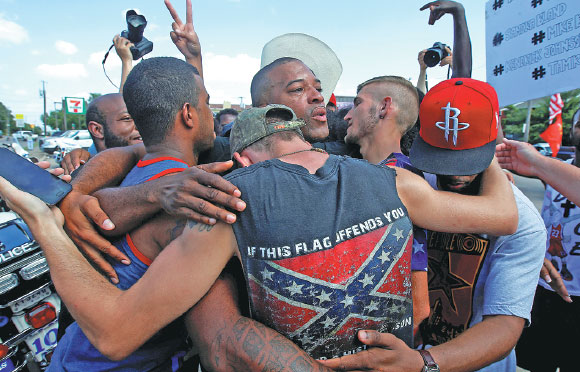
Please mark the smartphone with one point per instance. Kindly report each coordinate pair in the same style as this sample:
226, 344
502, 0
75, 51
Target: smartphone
32, 179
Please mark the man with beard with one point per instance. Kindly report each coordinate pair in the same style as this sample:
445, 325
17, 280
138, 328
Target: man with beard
384, 109
110, 124
551, 317
288, 81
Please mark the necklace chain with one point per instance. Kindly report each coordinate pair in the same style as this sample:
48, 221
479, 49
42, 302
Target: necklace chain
310, 149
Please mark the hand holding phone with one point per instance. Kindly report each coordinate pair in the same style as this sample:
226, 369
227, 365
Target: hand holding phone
32, 179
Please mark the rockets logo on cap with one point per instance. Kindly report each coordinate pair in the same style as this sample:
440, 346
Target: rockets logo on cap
459, 122
457, 126
465, 108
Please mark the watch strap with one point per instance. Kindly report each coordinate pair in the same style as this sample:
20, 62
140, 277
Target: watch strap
430, 365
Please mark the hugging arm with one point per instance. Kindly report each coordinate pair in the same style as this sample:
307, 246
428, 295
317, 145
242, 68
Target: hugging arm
228, 341
492, 212
112, 319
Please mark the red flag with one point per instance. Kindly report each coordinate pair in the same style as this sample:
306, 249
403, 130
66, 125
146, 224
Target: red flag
556, 106
553, 135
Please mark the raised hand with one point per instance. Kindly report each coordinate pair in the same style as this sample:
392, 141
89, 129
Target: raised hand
421, 59
461, 62
447, 60
123, 48
439, 8
184, 36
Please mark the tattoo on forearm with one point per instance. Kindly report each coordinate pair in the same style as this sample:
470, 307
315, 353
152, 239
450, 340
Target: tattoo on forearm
240, 327
251, 346
201, 227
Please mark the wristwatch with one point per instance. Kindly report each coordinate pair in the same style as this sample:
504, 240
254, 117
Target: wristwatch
430, 365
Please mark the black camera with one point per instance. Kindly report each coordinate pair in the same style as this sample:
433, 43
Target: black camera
435, 54
135, 26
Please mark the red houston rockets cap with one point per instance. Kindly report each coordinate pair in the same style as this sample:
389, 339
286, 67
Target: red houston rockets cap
459, 122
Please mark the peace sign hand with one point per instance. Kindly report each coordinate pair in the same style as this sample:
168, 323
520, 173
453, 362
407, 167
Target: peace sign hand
183, 35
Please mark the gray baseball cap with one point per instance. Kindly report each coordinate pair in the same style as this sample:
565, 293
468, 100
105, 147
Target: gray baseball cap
252, 125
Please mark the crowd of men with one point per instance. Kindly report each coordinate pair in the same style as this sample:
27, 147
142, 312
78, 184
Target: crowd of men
419, 257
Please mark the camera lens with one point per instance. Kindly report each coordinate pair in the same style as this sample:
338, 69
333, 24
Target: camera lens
432, 57
434, 54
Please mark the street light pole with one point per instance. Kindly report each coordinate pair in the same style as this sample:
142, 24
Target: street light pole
64, 114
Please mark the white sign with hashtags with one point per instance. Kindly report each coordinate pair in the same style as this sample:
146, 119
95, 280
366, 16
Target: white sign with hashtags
532, 48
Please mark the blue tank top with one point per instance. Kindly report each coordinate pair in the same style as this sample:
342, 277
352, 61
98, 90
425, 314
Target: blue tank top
419, 255
325, 254
165, 350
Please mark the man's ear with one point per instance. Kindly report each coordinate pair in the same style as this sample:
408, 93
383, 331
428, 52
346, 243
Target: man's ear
189, 116
96, 129
385, 107
243, 161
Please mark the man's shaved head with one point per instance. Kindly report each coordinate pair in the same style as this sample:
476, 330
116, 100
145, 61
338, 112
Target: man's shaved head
262, 83
95, 111
288, 81
403, 94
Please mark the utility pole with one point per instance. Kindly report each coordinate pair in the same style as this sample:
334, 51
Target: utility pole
43, 95
528, 122
242, 106
63, 104
56, 116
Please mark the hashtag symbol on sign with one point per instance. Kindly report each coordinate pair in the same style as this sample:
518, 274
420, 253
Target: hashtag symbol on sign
497, 4
498, 70
538, 73
535, 3
497, 39
538, 37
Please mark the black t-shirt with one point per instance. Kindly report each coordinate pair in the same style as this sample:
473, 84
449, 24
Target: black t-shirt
325, 254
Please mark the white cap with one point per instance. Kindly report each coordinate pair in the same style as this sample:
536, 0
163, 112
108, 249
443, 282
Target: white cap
312, 52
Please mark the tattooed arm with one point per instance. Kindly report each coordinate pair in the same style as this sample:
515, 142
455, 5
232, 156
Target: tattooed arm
228, 341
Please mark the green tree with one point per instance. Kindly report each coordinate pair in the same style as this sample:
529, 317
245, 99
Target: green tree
92, 96
515, 117
6, 117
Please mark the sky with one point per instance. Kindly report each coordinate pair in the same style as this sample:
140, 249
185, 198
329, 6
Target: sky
64, 42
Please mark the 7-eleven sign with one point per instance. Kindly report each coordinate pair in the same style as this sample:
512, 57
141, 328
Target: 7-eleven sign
75, 105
